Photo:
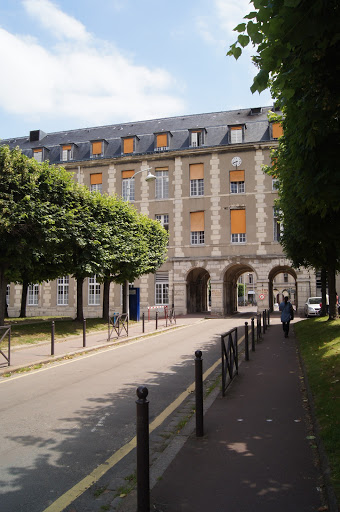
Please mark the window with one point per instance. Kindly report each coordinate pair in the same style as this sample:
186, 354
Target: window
276, 225
128, 185
162, 288
33, 295
38, 154
197, 228
250, 278
275, 184
66, 152
94, 292
236, 134
196, 179
277, 130
164, 220
196, 138
161, 142
63, 284
97, 149
236, 182
162, 183
8, 292
285, 277
96, 182
238, 225
128, 145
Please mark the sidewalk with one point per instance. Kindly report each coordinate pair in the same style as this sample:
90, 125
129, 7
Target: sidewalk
255, 455
30, 355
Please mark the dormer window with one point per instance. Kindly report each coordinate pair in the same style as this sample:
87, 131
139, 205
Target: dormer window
196, 138
277, 130
129, 145
98, 148
66, 152
236, 134
38, 154
161, 141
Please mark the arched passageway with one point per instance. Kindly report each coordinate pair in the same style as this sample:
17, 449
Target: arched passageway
198, 290
230, 290
282, 281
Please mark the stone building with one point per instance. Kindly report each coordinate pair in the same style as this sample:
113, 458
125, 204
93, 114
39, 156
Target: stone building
210, 193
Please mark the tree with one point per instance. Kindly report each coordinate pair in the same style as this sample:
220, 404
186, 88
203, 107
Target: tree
297, 47
34, 216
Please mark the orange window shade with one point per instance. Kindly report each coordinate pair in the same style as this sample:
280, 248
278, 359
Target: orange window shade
196, 171
238, 221
67, 148
37, 150
277, 130
236, 175
96, 148
128, 145
96, 179
236, 127
127, 174
197, 221
162, 140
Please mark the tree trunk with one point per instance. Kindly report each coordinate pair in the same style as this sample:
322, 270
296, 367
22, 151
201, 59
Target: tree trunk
333, 309
323, 311
23, 299
80, 312
3, 289
106, 300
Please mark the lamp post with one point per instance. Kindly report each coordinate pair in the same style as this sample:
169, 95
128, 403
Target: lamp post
149, 177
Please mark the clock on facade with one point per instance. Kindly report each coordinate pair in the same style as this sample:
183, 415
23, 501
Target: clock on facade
236, 161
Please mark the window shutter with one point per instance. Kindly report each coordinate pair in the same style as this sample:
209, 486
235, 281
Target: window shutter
196, 171
238, 221
197, 221
162, 140
97, 148
277, 130
235, 134
96, 179
127, 174
67, 148
128, 145
236, 175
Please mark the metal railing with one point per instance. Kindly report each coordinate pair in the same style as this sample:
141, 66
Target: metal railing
229, 357
6, 331
118, 323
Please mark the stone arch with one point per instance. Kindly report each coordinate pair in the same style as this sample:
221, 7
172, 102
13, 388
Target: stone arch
198, 290
231, 275
285, 289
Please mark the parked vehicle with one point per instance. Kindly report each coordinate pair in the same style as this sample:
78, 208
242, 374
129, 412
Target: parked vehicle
313, 306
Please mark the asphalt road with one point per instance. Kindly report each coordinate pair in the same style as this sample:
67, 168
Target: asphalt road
59, 423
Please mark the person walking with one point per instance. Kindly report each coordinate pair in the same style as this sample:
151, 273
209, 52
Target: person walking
286, 315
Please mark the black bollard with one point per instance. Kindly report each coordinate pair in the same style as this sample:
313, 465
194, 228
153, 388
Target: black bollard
84, 332
143, 470
253, 334
156, 320
246, 341
264, 321
199, 392
143, 322
52, 339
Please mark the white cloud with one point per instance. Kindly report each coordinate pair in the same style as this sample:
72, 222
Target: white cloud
224, 15
61, 25
85, 79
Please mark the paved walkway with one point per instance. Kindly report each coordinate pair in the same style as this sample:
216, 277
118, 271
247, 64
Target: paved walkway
255, 455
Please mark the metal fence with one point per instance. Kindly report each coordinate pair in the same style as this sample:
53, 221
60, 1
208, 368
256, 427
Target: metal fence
229, 357
6, 332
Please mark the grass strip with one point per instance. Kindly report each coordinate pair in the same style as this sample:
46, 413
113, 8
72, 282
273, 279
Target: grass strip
319, 343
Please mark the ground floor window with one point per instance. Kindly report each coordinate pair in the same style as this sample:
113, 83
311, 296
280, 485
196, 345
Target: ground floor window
94, 292
63, 291
162, 288
33, 295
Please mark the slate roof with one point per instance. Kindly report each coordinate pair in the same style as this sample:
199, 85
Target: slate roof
216, 126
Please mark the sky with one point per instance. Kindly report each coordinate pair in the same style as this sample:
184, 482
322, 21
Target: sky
69, 64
